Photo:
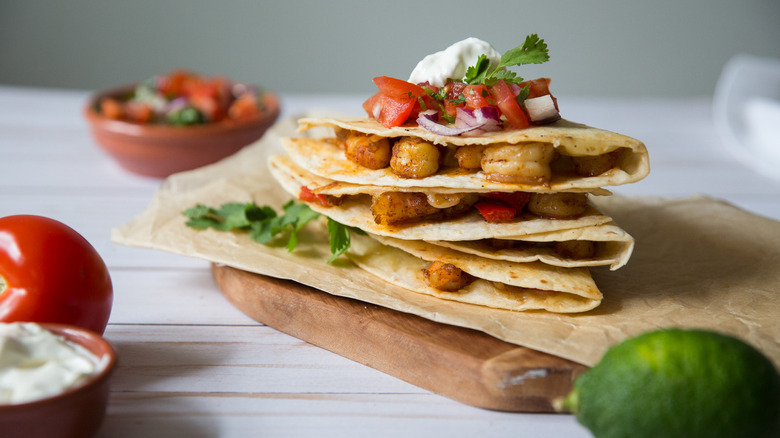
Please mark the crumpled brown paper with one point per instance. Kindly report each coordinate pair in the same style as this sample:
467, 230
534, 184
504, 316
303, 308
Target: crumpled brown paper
697, 263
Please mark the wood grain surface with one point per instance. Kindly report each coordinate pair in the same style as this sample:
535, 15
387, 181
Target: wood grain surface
463, 364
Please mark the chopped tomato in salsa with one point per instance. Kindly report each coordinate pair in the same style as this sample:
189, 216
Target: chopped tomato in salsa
507, 103
184, 98
476, 96
394, 102
399, 102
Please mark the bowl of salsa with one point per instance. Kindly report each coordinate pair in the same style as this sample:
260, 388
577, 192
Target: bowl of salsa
178, 121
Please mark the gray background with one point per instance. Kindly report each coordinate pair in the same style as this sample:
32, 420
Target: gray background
661, 48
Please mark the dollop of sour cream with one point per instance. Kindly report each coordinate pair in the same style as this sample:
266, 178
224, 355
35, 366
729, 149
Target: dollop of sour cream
452, 62
36, 363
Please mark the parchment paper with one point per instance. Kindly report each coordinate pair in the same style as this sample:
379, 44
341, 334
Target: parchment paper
698, 262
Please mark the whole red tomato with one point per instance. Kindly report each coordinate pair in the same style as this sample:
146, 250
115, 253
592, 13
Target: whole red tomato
50, 273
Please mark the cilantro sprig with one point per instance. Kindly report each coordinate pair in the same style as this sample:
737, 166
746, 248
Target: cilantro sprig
263, 223
532, 51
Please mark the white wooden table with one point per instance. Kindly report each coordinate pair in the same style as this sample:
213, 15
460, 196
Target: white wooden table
191, 365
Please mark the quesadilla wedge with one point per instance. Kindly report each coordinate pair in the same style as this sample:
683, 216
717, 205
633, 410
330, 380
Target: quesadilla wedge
490, 283
561, 156
373, 209
599, 245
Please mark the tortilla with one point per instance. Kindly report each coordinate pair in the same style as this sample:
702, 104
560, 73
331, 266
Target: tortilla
355, 211
613, 247
326, 159
565, 290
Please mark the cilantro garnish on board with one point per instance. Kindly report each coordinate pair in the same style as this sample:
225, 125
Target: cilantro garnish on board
532, 51
263, 223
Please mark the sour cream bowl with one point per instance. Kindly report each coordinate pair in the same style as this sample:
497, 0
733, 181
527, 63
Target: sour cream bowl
76, 412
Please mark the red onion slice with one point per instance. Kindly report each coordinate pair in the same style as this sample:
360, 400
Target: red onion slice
467, 122
541, 110
427, 119
488, 118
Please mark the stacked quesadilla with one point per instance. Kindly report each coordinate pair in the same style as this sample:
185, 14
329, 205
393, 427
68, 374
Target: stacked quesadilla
500, 219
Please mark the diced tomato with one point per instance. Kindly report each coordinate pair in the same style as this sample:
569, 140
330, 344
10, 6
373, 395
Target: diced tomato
208, 106
507, 104
395, 111
244, 108
477, 96
395, 101
537, 87
389, 111
398, 88
196, 85
112, 108
517, 200
454, 89
209, 95
451, 108
172, 84
454, 97
138, 112
495, 211
372, 105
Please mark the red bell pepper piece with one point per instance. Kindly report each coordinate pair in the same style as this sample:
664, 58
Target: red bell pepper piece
495, 211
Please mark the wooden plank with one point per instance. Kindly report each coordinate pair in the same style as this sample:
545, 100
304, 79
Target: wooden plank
463, 364
237, 415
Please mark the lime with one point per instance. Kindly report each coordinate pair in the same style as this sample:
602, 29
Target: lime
679, 383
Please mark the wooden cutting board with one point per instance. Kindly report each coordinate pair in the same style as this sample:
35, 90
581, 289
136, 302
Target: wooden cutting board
463, 364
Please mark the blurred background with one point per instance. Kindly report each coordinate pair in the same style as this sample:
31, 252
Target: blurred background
663, 48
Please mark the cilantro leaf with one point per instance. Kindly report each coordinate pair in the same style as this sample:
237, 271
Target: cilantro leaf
532, 51
441, 94
523, 95
264, 224
478, 73
458, 100
340, 238
227, 217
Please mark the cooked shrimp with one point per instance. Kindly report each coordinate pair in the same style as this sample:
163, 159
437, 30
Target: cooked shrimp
414, 158
558, 205
469, 157
576, 249
446, 277
595, 165
527, 163
396, 207
371, 151
391, 208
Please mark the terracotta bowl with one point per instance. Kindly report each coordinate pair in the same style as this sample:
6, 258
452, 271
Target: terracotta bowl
161, 150
76, 413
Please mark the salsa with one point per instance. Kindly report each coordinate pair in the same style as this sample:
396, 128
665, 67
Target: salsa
483, 97
184, 98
